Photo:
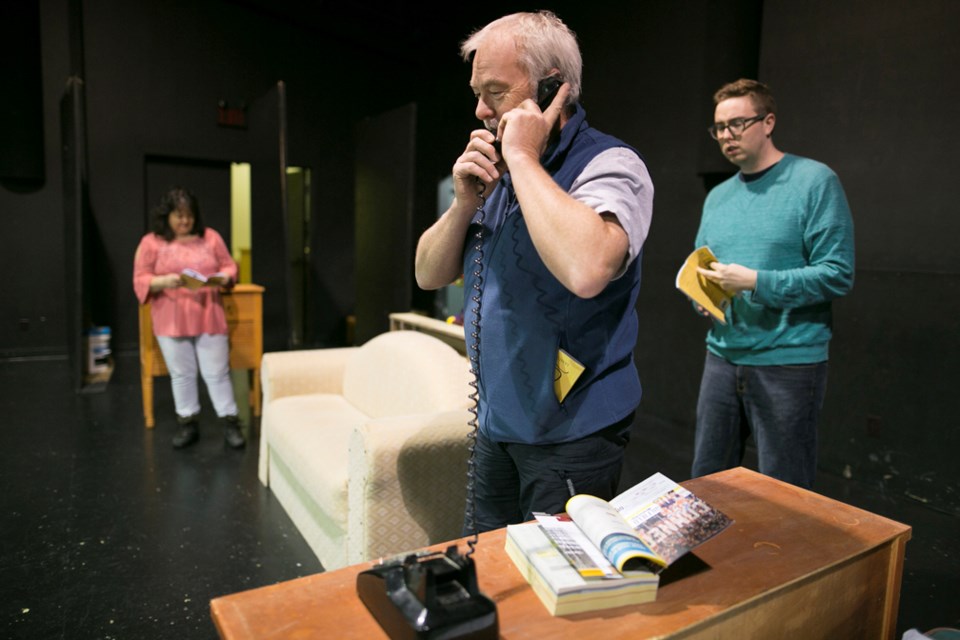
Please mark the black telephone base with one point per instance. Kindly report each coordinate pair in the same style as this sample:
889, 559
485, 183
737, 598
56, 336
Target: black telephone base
432, 595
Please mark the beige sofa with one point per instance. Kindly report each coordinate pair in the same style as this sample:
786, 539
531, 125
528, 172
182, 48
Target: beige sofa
366, 447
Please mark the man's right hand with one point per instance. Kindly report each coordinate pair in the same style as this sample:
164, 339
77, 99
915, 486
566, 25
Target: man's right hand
478, 162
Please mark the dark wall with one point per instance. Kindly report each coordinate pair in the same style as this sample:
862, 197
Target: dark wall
867, 87
32, 317
384, 198
871, 92
21, 110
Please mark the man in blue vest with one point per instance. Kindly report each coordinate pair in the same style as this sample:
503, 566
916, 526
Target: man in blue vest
783, 236
547, 227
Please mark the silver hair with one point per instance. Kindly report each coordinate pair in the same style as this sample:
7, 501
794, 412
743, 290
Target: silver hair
543, 42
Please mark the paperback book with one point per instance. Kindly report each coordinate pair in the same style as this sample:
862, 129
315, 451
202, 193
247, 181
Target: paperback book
194, 279
560, 587
610, 548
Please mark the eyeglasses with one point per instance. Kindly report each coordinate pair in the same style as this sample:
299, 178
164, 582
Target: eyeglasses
736, 126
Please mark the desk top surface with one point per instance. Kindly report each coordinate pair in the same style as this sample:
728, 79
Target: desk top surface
780, 534
241, 287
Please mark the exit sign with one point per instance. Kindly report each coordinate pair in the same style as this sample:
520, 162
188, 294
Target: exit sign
234, 116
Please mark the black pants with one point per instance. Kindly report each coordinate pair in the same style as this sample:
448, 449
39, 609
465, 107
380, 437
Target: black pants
512, 481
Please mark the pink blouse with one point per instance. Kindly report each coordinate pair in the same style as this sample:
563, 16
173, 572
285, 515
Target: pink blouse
181, 312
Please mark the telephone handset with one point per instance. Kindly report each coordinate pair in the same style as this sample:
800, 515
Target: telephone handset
546, 92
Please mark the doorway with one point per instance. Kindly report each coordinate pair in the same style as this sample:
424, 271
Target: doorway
241, 241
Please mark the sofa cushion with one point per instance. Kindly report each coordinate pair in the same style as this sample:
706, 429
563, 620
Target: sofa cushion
311, 434
406, 372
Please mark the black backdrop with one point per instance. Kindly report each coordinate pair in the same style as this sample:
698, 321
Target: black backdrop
21, 109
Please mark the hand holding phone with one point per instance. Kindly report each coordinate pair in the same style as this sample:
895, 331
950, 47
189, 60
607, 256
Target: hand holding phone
547, 90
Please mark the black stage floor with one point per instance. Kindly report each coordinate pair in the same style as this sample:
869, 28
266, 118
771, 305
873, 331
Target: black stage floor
109, 533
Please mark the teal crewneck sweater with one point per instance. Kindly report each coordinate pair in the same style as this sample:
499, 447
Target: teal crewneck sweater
793, 225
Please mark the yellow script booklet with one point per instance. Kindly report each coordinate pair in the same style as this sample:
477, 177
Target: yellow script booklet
706, 293
565, 375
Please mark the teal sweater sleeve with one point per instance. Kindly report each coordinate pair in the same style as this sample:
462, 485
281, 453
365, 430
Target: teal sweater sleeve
829, 252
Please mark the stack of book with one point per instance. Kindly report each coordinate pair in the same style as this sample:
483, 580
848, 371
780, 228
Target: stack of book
600, 554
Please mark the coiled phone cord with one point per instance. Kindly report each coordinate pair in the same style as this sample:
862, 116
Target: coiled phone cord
475, 369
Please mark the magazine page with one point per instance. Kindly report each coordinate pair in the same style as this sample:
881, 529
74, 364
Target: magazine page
607, 529
670, 519
193, 279
575, 546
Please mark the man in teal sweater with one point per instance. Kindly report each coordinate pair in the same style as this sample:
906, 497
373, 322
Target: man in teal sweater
783, 236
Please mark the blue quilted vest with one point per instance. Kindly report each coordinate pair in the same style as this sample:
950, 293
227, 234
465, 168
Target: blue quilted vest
526, 315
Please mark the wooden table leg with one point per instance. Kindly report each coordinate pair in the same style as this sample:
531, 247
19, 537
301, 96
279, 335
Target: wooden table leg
255, 400
146, 388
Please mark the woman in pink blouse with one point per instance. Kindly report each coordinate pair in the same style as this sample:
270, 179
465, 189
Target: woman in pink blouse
189, 322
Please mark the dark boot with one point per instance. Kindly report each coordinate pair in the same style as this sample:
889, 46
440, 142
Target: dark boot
187, 433
232, 433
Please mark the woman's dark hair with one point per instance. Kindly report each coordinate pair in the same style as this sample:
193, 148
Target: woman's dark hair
172, 200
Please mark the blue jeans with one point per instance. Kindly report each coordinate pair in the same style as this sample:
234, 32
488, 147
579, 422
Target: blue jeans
778, 405
512, 481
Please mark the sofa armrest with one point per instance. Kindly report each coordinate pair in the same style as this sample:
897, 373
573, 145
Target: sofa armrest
407, 483
293, 373
289, 373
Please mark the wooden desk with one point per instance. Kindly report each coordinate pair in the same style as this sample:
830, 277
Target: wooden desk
793, 565
243, 305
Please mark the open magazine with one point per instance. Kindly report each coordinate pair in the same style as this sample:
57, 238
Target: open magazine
193, 279
644, 528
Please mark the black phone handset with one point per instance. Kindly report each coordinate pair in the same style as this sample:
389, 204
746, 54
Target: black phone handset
547, 90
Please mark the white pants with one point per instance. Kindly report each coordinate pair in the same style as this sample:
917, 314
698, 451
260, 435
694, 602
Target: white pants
212, 352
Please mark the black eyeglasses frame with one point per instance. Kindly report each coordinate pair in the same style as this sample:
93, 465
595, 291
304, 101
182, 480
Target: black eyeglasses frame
737, 123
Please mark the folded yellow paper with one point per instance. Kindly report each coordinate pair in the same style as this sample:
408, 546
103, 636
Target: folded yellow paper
566, 374
706, 293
